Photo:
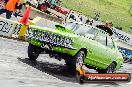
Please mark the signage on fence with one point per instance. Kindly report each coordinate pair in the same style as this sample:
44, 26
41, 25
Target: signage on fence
122, 36
7, 27
17, 29
126, 53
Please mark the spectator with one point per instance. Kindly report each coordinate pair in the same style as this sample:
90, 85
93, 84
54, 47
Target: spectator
80, 18
9, 8
107, 27
18, 10
91, 22
72, 17
97, 16
2, 3
87, 21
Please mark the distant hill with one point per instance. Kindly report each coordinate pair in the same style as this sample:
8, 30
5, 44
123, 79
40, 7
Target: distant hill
114, 10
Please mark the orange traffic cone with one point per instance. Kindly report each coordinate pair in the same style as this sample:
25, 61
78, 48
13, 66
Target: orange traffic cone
25, 17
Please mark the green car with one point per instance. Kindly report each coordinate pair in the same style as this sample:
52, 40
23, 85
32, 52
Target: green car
77, 44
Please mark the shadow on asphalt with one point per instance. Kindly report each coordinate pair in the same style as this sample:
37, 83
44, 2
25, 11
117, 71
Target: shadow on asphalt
61, 72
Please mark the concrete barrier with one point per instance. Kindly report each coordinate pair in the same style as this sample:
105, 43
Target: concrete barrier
7, 27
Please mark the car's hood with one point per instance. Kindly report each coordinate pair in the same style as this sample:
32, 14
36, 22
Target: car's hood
53, 36
62, 32
58, 31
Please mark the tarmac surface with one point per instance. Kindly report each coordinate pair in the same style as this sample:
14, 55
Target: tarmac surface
16, 70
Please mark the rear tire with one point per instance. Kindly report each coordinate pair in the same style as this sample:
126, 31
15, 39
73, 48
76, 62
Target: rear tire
109, 69
33, 52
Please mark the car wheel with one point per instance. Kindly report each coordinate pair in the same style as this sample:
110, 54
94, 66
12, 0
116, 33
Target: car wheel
79, 78
33, 52
109, 69
79, 60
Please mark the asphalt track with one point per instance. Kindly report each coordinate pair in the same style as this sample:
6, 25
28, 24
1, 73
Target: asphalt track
16, 70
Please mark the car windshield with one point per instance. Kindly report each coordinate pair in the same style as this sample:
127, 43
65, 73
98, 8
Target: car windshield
82, 30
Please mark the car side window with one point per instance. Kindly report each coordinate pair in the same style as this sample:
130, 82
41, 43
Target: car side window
101, 38
110, 43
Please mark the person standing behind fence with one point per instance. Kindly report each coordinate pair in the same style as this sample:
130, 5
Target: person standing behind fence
97, 16
107, 27
18, 10
9, 8
2, 3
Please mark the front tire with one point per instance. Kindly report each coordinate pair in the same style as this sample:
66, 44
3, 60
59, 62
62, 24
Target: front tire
33, 52
78, 60
109, 69
79, 78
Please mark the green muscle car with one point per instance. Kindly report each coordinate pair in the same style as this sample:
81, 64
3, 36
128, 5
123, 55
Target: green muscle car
77, 44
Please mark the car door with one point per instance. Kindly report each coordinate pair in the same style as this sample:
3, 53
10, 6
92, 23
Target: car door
111, 49
102, 53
